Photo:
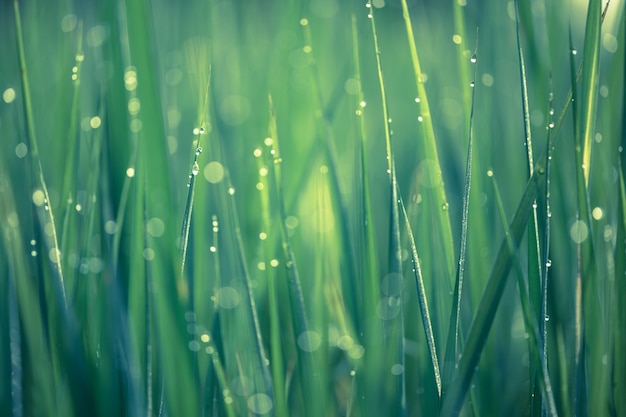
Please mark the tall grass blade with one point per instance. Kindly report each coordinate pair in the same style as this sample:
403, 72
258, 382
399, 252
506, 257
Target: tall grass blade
618, 377
309, 375
423, 302
444, 229
484, 316
393, 329
453, 344
591, 75
535, 278
47, 212
276, 352
195, 170
367, 248
536, 339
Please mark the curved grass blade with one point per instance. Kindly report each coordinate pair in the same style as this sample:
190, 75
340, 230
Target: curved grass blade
393, 330
591, 75
619, 374
195, 169
535, 278
34, 151
423, 301
453, 344
537, 344
309, 376
367, 244
276, 353
430, 152
483, 319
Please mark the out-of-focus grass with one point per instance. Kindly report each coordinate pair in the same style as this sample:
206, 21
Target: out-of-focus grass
315, 271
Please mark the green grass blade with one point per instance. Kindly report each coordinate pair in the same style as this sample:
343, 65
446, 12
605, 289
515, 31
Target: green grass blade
309, 375
483, 319
535, 278
591, 75
444, 229
423, 302
453, 344
276, 351
34, 151
537, 344
619, 374
393, 330
368, 252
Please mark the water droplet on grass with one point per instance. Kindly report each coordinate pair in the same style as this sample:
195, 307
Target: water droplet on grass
195, 169
473, 59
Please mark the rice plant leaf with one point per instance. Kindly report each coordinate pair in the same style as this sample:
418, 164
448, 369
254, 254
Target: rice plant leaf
34, 151
619, 374
393, 341
591, 75
453, 344
430, 152
535, 278
309, 375
483, 319
423, 302
537, 344
367, 242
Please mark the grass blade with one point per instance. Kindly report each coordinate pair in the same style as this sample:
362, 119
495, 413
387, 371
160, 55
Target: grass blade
485, 314
34, 151
591, 74
537, 345
309, 375
393, 329
430, 152
423, 302
453, 344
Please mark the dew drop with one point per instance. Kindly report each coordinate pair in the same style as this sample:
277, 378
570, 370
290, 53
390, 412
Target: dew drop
548, 263
195, 169
551, 125
231, 191
199, 150
369, 16
574, 51
472, 84
473, 59
201, 131
444, 206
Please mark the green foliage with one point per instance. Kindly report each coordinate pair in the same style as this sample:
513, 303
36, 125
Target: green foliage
316, 208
